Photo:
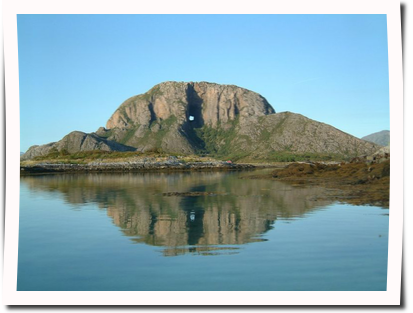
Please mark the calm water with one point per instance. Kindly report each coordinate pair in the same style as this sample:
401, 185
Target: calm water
119, 232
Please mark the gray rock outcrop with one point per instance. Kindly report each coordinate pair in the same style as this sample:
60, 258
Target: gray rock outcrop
74, 142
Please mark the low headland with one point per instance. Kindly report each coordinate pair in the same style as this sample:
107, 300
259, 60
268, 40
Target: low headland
101, 161
362, 181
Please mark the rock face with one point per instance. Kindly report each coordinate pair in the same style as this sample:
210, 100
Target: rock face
165, 117
74, 142
208, 103
207, 118
36, 150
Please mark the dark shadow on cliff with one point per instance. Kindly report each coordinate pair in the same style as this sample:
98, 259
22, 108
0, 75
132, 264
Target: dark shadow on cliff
194, 119
194, 109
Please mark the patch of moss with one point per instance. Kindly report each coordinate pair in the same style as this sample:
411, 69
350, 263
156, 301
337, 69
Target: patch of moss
218, 140
154, 137
165, 125
129, 134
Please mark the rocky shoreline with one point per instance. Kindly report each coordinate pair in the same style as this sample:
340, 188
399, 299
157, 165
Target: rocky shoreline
364, 181
94, 167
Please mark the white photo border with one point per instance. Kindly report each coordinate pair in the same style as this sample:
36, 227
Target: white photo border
13, 297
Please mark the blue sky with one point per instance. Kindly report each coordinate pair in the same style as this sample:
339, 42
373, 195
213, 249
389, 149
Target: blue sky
75, 70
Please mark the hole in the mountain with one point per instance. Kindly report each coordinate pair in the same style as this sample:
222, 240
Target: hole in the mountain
191, 118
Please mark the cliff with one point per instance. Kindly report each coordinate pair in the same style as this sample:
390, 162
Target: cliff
167, 116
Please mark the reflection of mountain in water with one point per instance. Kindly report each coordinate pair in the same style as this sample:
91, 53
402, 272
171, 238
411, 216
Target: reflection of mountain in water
239, 213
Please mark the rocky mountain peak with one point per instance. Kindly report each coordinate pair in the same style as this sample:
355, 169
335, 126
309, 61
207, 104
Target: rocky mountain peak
198, 102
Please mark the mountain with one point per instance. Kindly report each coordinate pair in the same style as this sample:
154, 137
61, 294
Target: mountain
381, 138
206, 118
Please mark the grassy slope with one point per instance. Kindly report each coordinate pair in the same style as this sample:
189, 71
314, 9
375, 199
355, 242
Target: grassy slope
221, 143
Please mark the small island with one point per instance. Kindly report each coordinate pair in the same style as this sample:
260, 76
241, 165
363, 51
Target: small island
179, 126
